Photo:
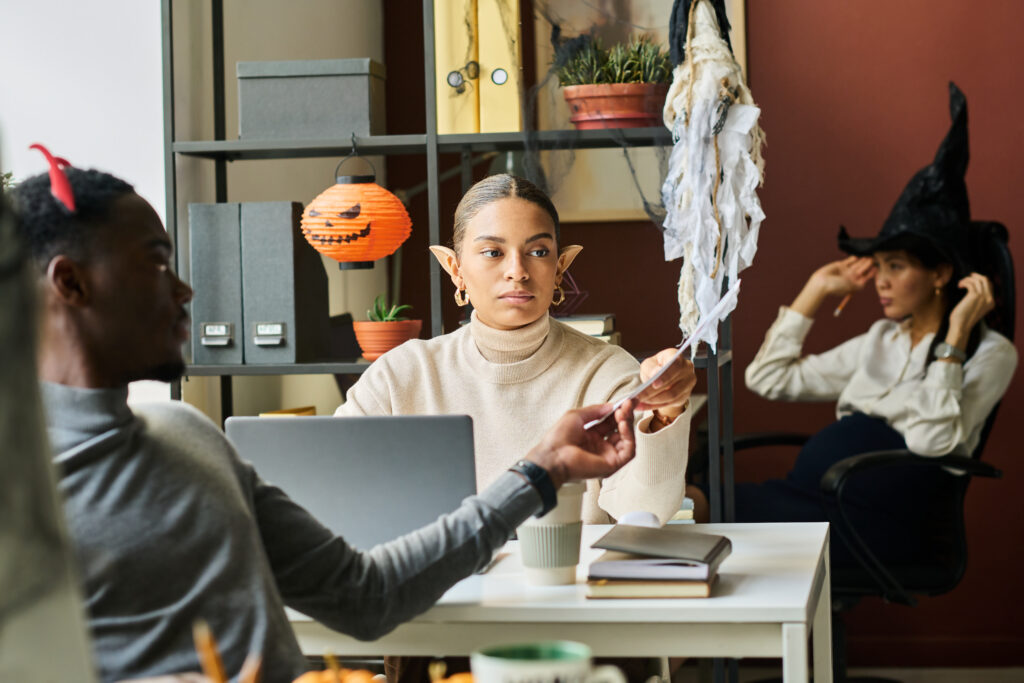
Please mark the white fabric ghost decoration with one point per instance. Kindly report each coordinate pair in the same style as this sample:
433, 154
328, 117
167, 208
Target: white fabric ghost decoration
713, 213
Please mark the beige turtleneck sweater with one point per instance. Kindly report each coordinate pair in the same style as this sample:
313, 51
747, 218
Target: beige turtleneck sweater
515, 384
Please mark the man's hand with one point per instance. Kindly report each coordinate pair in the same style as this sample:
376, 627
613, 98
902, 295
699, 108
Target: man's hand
570, 452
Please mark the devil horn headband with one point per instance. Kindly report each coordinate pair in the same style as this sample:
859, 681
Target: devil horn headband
60, 186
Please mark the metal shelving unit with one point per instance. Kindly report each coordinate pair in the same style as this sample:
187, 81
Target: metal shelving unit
244, 150
221, 151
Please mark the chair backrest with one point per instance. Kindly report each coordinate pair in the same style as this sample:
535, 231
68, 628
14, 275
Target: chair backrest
991, 255
993, 259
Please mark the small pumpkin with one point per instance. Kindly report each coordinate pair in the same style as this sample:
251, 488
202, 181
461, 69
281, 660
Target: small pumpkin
343, 676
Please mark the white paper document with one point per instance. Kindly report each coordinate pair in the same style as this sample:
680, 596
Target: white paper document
714, 316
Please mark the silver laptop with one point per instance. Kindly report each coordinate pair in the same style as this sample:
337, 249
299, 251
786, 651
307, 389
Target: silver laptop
368, 479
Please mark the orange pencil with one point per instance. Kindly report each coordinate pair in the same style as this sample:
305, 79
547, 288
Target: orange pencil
842, 305
206, 647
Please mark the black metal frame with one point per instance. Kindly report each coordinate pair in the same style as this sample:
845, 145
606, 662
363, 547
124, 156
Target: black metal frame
430, 144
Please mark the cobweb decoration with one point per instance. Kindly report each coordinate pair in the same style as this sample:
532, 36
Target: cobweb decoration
574, 297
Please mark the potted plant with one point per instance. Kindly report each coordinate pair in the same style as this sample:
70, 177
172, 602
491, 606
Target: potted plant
385, 328
624, 87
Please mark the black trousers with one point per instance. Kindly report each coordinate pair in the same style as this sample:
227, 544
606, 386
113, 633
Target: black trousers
893, 508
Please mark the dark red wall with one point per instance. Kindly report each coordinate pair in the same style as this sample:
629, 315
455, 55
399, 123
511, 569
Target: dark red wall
854, 101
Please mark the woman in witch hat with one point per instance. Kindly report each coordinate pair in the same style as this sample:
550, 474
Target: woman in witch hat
924, 377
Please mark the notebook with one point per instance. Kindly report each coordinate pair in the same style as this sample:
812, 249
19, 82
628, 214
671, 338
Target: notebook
368, 479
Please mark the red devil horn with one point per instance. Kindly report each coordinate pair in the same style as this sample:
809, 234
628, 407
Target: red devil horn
59, 184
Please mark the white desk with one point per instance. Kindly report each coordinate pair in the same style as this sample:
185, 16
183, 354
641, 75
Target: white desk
771, 595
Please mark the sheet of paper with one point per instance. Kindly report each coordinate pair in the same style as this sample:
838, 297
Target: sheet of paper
713, 317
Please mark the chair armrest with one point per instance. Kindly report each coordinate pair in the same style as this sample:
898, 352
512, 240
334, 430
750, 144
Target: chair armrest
836, 475
835, 479
760, 439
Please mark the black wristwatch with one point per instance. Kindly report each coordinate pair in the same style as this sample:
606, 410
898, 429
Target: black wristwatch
540, 480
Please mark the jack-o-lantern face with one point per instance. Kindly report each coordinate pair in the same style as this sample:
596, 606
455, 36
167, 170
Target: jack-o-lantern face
345, 238
356, 222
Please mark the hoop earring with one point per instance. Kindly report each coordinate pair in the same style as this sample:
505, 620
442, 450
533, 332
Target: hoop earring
561, 296
460, 297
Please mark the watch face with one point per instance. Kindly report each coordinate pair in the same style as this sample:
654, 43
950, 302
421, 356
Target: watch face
944, 350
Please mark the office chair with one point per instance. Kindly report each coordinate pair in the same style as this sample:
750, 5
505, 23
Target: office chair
928, 576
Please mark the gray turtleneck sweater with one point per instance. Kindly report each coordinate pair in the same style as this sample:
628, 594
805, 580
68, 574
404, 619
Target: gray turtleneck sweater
170, 526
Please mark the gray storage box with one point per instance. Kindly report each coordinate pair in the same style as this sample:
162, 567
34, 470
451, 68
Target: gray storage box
215, 254
284, 287
314, 99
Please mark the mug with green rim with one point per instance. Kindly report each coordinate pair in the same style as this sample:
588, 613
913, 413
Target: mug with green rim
550, 661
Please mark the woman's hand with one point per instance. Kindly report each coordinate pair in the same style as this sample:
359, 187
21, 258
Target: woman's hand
668, 395
978, 301
837, 278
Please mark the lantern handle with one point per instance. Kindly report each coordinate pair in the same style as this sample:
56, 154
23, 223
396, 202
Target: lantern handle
354, 153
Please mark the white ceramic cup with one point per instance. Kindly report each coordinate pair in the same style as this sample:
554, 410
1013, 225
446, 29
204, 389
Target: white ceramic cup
550, 545
553, 661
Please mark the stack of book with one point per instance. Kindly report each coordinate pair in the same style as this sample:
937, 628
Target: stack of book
685, 513
644, 562
598, 325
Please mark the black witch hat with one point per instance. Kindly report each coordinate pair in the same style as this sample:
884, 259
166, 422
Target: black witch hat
933, 205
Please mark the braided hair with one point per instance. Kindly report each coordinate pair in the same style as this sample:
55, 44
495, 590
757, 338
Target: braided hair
48, 228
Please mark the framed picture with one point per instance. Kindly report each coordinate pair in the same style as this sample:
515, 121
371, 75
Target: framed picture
591, 185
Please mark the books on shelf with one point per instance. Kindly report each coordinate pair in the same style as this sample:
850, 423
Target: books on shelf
675, 553
613, 338
596, 324
610, 588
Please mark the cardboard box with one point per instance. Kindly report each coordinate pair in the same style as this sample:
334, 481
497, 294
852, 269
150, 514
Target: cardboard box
327, 99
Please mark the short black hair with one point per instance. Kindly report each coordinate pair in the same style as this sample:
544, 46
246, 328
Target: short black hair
49, 228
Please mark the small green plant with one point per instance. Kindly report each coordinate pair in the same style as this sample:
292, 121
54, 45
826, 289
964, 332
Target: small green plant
639, 61
380, 313
6, 181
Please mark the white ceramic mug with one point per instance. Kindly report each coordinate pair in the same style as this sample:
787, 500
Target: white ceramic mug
550, 545
553, 661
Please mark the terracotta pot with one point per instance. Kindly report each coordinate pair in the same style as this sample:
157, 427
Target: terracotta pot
616, 105
375, 338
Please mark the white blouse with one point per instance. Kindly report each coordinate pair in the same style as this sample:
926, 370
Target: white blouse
938, 407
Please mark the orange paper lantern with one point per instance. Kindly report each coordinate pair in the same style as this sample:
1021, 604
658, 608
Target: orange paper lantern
356, 222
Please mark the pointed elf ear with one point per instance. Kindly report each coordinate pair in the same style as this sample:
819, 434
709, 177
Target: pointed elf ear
565, 258
447, 258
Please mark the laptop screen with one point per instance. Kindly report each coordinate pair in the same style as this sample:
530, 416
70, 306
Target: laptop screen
368, 479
